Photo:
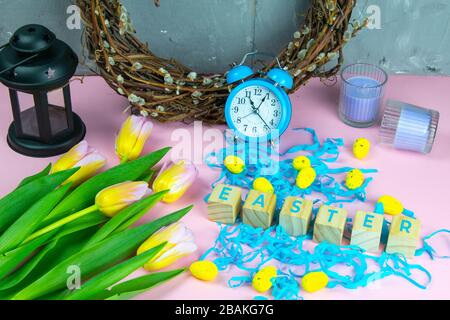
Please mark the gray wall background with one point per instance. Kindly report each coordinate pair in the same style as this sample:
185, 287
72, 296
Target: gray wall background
208, 35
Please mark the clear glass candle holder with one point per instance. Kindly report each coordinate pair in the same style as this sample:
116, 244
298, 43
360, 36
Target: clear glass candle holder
362, 93
409, 127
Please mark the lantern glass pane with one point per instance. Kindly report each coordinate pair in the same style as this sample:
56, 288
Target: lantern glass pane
28, 117
57, 112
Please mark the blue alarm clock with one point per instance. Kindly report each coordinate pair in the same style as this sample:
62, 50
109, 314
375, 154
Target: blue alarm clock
259, 108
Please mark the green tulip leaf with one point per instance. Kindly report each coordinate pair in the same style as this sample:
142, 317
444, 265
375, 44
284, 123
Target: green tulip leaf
12, 259
136, 210
15, 278
84, 196
13, 205
56, 251
92, 219
113, 275
38, 175
86, 222
98, 257
29, 221
147, 176
131, 288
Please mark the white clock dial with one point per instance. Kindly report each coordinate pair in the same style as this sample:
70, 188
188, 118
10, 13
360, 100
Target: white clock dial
256, 111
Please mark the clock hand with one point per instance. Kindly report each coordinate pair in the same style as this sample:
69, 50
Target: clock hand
257, 113
262, 101
263, 120
255, 110
253, 105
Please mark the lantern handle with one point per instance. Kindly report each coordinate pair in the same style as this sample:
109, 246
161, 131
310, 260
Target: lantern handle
18, 63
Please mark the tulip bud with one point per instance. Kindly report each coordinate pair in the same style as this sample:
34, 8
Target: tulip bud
86, 158
132, 136
176, 178
111, 200
179, 243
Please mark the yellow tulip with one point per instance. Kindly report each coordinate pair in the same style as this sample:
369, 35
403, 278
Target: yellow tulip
176, 178
111, 200
86, 158
132, 136
179, 243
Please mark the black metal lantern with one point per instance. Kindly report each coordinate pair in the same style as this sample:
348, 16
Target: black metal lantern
34, 65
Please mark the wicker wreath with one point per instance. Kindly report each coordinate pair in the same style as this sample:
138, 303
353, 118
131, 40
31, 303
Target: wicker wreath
169, 91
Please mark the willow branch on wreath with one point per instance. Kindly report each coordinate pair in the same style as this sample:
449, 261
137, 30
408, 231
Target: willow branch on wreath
169, 91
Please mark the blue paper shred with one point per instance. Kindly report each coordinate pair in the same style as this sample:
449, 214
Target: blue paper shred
321, 156
249, 249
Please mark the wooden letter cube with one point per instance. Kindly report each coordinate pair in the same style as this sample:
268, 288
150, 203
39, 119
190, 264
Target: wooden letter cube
403, 236
295, 216
366, 231
224, 203
259, 208
330, 224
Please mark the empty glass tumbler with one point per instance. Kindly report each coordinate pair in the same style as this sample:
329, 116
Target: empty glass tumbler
362, 92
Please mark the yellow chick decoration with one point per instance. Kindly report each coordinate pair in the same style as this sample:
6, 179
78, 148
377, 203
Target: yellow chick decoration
354, 179
262, 281
361, 148
234, 164
301, 162
305, 177
204, 270
391, 205
314, 281
263, 185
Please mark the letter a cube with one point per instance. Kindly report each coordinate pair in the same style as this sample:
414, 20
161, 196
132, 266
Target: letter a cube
403, 236
259, 208
295, 216
330, 224
224, 203
366, 231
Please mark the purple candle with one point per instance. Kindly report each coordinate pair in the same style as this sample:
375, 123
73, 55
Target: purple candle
361, 94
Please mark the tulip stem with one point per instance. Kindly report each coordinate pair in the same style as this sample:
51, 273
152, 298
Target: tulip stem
123, 160
61, 222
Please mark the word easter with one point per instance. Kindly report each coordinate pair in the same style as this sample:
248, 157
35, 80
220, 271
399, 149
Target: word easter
225, 202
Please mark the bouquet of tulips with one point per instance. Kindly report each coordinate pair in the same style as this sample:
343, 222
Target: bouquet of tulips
68, 224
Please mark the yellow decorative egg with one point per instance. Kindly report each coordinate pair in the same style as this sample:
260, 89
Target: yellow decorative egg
354, 179
234, 164
391, 205
262, 280
361, 148
301, 162
263, 185
204, 270
305, 177
314, 281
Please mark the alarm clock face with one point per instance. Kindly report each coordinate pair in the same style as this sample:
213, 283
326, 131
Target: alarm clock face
256, 108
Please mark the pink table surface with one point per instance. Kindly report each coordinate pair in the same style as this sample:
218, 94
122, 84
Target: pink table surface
420, 181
